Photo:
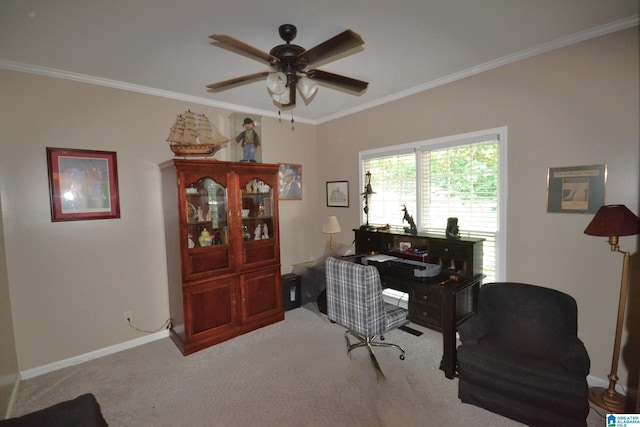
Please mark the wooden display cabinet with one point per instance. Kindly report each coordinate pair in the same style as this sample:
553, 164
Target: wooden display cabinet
223, 250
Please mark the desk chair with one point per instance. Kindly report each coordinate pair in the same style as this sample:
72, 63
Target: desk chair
354, 300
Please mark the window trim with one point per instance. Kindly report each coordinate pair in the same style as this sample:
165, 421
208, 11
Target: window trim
451, 141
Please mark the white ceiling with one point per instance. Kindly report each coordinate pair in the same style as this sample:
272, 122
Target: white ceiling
162, 46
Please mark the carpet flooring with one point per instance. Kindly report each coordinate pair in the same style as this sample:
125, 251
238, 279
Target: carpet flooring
293, 373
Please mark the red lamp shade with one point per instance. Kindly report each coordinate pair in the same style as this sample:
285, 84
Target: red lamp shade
613, 220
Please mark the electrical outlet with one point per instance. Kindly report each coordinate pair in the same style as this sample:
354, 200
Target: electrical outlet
127, 316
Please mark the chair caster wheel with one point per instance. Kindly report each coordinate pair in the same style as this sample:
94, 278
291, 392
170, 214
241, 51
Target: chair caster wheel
402, 357
381, 337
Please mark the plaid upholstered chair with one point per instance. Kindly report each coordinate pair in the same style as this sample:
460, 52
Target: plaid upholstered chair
354, 300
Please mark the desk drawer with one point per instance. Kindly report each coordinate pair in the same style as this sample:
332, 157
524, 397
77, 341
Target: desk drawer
425, 295
450, 250
428, 315
425, 306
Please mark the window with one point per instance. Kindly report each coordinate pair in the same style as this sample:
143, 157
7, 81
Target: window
459, 176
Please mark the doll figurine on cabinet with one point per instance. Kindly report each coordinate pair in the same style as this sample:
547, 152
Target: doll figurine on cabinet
249, 141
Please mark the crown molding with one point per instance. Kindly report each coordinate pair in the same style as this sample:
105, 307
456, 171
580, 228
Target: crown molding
115, 84
602, 30
543, 48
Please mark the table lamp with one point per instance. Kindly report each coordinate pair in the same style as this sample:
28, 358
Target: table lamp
614, 221
330, 226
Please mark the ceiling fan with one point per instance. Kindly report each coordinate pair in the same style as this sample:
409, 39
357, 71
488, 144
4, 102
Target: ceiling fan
289, 63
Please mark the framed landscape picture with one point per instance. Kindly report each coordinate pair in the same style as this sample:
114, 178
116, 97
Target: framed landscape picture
338, 194
83, 184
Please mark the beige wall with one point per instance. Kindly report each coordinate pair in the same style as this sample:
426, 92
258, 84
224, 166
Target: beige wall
8, 358
575, 106
70, 282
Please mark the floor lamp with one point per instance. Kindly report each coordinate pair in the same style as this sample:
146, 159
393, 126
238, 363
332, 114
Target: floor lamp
614, 221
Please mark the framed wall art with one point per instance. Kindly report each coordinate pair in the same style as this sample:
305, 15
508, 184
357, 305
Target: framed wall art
290, 182
576, 189
83, 184
338, 194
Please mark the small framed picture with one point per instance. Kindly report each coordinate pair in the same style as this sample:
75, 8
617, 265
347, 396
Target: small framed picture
576, 189
338, 194
83, 184
290, 182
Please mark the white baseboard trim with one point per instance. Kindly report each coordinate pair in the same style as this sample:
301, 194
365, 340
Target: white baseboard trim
41, 370
14, 395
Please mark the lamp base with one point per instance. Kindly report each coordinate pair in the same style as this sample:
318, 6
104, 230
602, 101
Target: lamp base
610, 401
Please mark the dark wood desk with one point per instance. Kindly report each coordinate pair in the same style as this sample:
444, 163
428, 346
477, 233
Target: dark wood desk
441, 307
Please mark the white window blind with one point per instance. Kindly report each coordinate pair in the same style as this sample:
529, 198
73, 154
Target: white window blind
393, 179
462, 182
451, 177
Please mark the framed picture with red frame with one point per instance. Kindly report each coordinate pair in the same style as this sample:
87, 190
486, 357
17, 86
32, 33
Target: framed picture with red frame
83, 184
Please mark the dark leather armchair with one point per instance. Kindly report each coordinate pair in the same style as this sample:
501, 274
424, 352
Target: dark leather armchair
521, 356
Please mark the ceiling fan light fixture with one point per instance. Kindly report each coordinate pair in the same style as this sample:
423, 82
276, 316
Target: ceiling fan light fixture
277, 83
282, 98
307, 87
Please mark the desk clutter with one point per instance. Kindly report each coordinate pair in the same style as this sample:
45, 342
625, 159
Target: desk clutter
461, 256
404, 267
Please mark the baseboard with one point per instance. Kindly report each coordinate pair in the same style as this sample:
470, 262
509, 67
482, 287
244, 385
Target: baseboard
41, 370
14, 395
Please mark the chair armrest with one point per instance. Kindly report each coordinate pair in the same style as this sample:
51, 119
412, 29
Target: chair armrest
574, 357
473, 330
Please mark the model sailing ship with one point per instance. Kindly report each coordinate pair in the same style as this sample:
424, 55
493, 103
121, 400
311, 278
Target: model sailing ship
186, 138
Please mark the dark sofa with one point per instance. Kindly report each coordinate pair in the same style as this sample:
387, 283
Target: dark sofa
83, 411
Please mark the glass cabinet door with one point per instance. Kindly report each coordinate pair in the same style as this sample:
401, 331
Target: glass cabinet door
257, 211
258, 242
206, 214
207, 231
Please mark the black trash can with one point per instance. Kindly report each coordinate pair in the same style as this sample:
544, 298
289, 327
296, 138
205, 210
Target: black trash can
291, 284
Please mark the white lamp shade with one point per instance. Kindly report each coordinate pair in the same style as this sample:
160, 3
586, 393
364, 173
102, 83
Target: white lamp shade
282, 98
307, 87
277, 83
331, 225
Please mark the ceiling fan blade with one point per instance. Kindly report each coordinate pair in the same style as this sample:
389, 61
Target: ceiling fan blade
338, 80
237, 80
343, 41
248, 49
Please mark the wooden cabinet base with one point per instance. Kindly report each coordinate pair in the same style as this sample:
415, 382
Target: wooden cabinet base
192, 347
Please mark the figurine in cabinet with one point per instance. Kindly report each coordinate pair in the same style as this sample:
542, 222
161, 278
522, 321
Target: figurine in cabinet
257, 233
265, 231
